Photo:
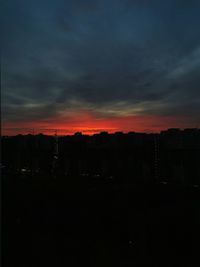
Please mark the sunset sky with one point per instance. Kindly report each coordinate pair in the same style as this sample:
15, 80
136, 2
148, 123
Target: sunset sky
107, 65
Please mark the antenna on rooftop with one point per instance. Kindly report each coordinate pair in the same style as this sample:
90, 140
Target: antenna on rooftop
55, 153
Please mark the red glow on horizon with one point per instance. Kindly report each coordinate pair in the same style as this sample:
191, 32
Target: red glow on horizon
87, 123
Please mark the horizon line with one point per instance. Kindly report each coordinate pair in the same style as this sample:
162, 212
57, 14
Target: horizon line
54, 131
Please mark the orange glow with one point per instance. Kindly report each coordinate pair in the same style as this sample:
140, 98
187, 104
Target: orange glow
88, 123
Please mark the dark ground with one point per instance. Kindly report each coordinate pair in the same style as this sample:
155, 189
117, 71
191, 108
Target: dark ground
52, 223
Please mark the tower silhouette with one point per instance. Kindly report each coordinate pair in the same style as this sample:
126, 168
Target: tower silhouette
156, 159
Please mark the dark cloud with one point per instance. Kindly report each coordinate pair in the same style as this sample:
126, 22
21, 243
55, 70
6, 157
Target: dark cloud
111, 57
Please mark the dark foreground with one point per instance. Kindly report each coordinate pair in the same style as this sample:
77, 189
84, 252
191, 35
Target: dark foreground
56, 224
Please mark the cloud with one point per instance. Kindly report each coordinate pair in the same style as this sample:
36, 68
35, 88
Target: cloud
111, 58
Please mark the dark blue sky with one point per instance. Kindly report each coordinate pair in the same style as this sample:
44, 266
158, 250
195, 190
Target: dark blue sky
109, 58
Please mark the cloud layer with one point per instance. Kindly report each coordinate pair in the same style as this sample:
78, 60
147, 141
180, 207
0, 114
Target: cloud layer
112, 59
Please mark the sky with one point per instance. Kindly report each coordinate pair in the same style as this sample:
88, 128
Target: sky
100, 65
